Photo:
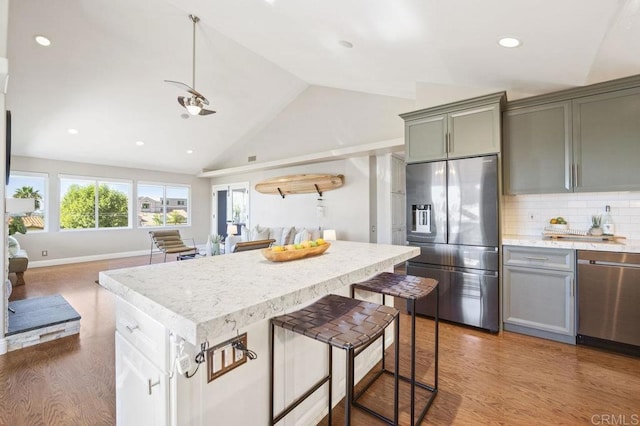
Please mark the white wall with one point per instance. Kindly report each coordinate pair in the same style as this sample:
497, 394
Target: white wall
575, 208
346, 208
78, 244
321, 119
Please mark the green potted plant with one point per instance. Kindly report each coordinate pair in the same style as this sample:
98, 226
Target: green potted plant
596, 221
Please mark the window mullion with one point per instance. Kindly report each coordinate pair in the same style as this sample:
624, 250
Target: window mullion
96, 211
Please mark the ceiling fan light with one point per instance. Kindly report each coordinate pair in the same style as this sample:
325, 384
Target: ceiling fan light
193, 109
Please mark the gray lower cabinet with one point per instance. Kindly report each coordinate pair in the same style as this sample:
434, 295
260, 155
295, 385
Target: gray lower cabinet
539, 292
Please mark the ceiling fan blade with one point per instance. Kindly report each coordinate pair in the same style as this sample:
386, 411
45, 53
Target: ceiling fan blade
206, 112
181, 101
187, 88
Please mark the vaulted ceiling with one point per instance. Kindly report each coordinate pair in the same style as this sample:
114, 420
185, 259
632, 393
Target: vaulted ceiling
103, 73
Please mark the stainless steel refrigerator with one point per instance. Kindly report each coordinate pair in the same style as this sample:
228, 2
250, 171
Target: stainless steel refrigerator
452, 215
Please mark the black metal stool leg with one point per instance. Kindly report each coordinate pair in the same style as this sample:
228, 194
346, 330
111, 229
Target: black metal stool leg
348, 401
413, 360
271, 376
396, 376
330, 382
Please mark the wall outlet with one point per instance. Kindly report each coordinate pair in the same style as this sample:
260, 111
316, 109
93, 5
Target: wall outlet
45, 253
224, 357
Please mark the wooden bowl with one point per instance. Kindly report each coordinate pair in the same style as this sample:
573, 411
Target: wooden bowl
285, 256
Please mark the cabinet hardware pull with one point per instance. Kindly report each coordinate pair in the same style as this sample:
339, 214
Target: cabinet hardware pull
541, 259
572, 289
131, 329
152, 384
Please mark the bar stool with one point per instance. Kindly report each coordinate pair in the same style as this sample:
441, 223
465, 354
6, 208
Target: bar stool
410, 288
340, 322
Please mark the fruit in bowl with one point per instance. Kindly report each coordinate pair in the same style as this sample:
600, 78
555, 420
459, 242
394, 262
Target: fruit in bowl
558, 221
297, 251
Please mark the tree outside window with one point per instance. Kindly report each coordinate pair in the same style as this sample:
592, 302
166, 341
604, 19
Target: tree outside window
93, 204
31, 185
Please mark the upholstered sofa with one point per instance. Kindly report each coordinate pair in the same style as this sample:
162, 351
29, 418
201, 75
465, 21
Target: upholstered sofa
282, 235
18, 264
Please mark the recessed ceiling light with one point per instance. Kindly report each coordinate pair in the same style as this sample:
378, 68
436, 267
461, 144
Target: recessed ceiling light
185, 116
72, 131
189, 151
139, 143
345, 43
509, 42
42, 40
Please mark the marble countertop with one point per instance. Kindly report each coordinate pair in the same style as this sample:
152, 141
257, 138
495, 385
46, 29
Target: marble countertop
210, 297
621, 245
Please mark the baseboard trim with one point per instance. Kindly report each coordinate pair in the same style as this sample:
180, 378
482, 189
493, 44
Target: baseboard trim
3, 346
80, 259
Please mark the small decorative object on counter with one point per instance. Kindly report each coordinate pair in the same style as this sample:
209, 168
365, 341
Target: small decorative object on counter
608, 228
214, 244
596, 221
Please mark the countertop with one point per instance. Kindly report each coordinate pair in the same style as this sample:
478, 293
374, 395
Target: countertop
620, 245
210, 297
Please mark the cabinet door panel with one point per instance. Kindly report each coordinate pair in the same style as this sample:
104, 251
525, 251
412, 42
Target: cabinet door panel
474, 131
607, 141
425, 139
141, 388
540, 299
537, 149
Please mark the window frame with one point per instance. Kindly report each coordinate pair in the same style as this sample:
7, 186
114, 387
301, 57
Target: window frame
97, 181
46, 197
165, 203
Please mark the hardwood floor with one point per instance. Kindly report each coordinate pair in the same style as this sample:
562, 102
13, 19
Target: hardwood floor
507, 379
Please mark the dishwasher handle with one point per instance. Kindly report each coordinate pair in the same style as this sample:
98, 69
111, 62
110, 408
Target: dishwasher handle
605, 263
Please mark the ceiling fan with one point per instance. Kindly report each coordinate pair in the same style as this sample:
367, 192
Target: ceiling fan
195, 103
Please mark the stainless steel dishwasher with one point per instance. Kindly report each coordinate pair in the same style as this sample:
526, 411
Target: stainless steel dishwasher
609, 300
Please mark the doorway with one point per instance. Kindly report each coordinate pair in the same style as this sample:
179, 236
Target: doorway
230, 206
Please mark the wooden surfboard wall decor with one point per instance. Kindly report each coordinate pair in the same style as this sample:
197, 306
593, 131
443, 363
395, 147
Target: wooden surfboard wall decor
300, 184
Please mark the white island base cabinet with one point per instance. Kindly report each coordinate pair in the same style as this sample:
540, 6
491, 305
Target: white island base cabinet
149, 395
539, 292
142, 396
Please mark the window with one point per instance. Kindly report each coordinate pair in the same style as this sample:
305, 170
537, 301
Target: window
163, 205
88, 203
31, 185
237, 208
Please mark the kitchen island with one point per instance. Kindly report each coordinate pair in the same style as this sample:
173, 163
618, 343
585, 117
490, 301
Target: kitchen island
165, 310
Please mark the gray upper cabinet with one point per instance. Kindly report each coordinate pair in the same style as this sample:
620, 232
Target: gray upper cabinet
474, 131
606, 131
579, 140
425, 139
537, 149
460, 129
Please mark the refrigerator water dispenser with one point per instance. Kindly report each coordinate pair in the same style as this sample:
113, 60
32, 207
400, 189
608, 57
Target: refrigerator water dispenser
421, 218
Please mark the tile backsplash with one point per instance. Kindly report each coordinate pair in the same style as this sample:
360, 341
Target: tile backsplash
529, 214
